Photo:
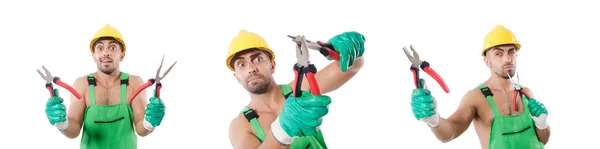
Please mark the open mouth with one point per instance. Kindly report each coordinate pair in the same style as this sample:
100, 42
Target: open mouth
106, 61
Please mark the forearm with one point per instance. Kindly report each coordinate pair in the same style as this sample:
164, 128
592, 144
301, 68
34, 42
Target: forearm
445, 131
543, 135
73, 129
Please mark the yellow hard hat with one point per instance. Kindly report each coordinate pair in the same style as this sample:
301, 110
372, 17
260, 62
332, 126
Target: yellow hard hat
107, 31
246, 40
499, 36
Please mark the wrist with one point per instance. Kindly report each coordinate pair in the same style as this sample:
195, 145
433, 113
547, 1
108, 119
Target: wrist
62, 125
433, 121
540, 122
147, 125
279, 134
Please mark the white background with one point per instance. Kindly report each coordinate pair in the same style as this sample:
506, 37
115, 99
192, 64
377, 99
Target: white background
371, 111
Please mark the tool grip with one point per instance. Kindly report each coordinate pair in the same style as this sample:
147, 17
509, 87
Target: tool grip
141, 88
435, 75
415, 72
68, 87
158, 87
297, 83
514, 102
49, 87
327, 51
312, 81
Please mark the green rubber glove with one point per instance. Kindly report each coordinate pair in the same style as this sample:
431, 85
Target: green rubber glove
349, 45
56, 112
424, 105
155, 111
538, 113
299, 117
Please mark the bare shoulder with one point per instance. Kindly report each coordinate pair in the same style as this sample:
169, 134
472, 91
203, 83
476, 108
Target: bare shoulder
529, 92
473, 95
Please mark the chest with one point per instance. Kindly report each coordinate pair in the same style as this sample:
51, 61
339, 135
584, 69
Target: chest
107, 95
504, 104
265, 119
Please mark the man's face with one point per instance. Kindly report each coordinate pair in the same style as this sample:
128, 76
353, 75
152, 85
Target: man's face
107, 55
501, 60
253, 70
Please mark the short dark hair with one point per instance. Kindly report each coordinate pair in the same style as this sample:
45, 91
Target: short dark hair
236, 56
109, 38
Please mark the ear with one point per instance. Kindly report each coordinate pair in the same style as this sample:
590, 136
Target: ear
122, 56
273, 64
487, 62
236, 78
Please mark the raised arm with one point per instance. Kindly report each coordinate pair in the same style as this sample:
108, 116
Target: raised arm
76, 109
241, 137
453, 126
537, 109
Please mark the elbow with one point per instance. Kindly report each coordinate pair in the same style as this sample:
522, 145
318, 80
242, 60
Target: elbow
445, 139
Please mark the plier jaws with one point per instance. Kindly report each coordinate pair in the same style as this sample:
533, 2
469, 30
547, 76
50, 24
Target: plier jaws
416, 62
154, 80
325, 49
52, 79
304, 67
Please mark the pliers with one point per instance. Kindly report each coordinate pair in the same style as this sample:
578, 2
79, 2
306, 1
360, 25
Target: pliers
304, 67
416, 63
326, 49
156, 80
49, 79
518, 90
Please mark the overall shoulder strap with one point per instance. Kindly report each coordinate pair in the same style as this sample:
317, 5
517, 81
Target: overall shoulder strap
92, 84
286, 90
252, 117
124, 82
488, 95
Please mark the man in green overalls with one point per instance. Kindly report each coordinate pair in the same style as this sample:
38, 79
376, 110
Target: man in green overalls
275, 119
107, 117
501, 122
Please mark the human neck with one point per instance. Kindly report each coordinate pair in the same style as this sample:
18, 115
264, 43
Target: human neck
108, 79
270, 101
501, 83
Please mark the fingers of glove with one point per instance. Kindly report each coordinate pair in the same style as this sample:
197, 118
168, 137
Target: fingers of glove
419, 114
314, 112
155, 100
424, 105
155, 121
309, 131
54, 100
419, 92
309, 100
53, 120
56, 113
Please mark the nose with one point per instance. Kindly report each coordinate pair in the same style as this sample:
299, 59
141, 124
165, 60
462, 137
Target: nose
252, 68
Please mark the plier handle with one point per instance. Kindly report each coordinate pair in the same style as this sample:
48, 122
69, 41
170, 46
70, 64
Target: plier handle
50, 79
156, 80
304, 67
518, 90
416, 63
324, 48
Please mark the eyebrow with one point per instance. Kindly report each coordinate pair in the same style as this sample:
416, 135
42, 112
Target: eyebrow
234, 60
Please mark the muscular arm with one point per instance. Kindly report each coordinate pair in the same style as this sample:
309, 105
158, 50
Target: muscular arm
76, 109
331, 77
138, 106
459, 121
242, 138
543, 135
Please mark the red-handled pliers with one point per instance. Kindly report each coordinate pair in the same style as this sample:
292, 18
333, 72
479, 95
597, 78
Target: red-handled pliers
326, 49
151, 81
416, 63
304, 67
518, 90
49, 79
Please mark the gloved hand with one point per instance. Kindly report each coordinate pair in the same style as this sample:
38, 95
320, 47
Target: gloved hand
56, 112
300, 116
538, 113
424, 105
349, 45
155, 111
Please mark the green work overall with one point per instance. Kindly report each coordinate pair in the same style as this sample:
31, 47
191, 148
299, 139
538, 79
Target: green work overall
309, 142
108, 126
511, 132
